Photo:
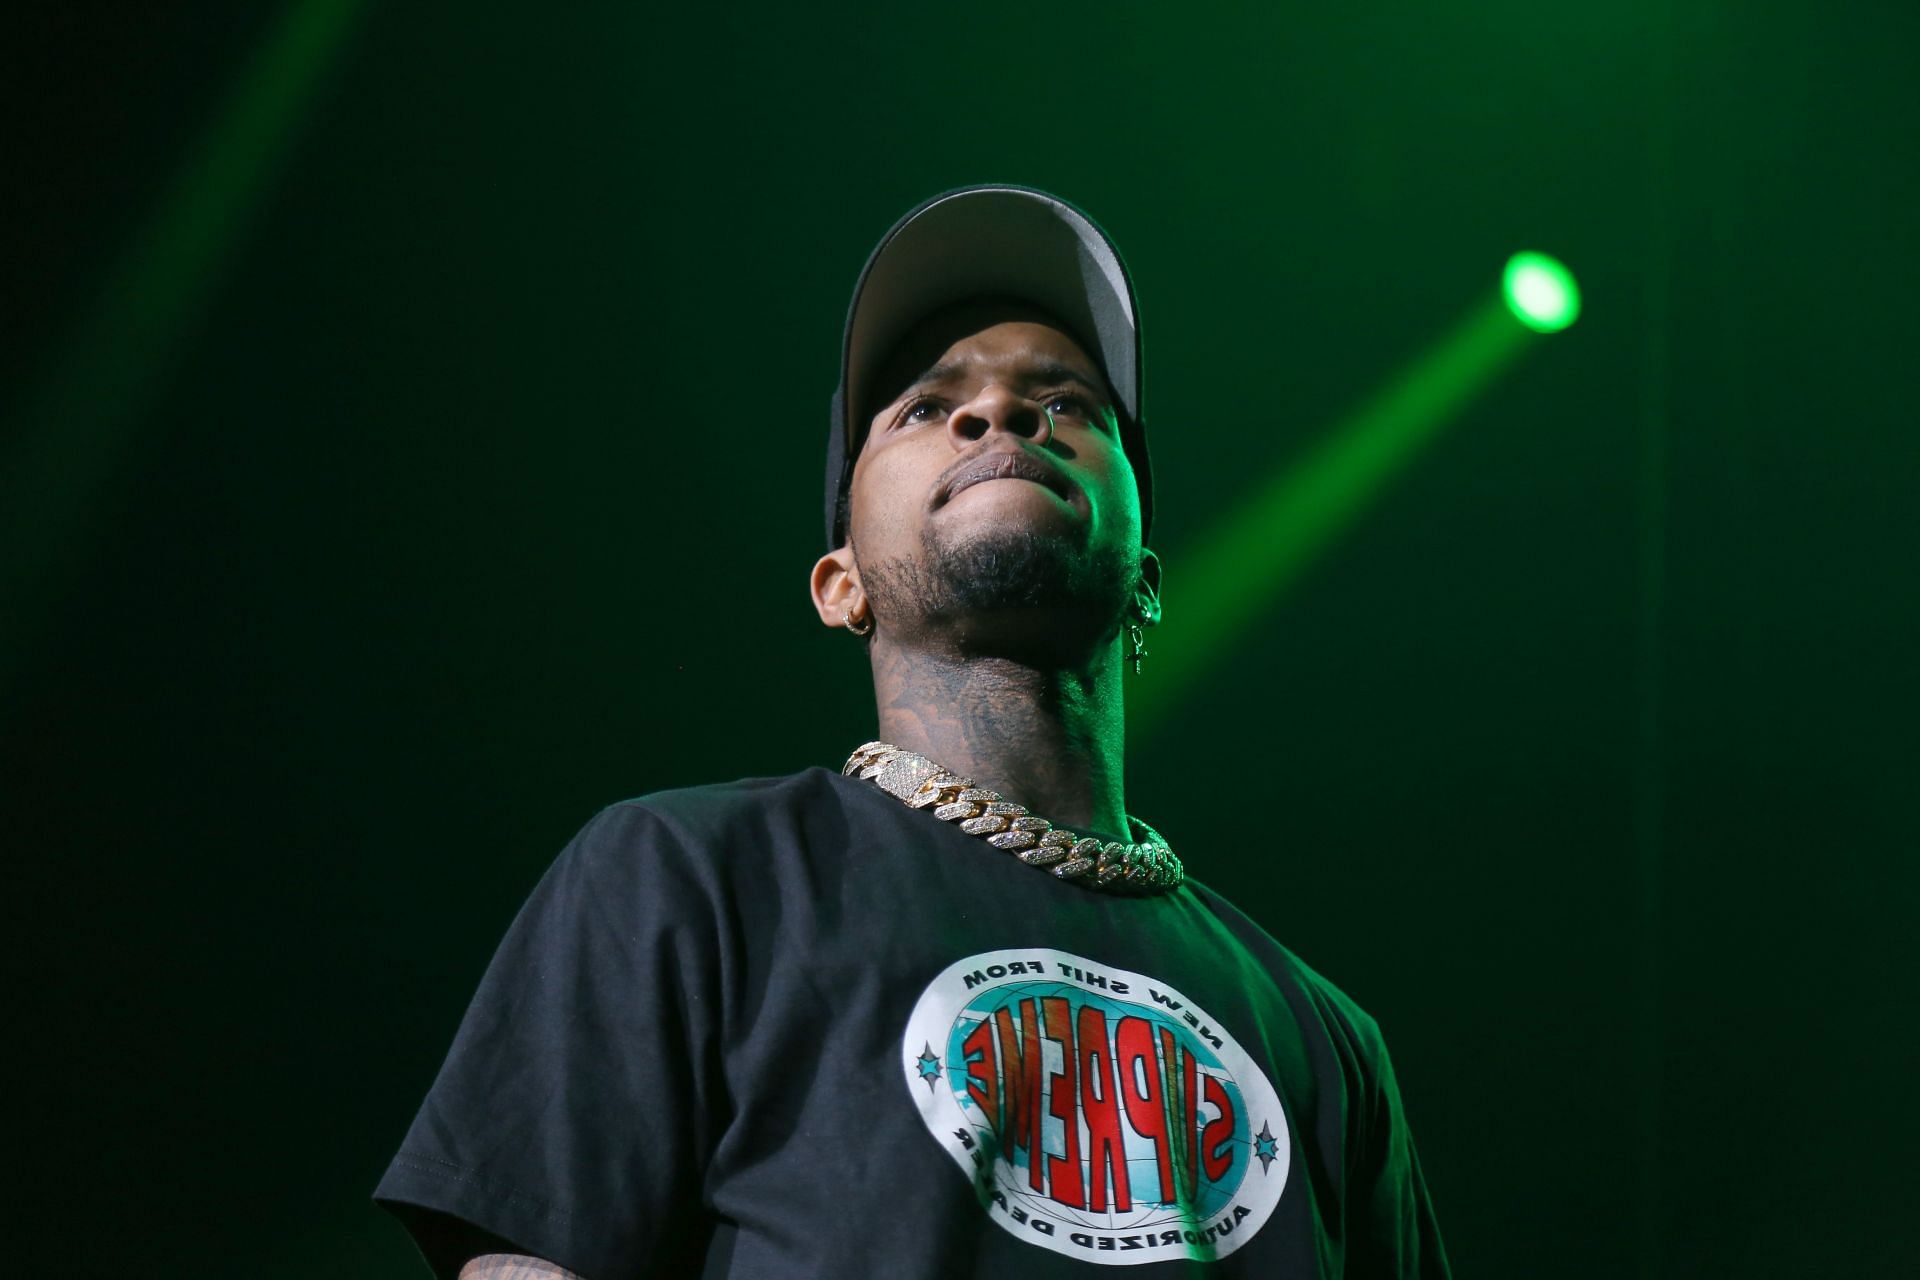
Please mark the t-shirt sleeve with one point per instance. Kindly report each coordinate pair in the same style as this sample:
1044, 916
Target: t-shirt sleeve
1390, 1221
574, 1115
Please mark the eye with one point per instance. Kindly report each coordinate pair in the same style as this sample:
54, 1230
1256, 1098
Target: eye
917, 411
1074, 406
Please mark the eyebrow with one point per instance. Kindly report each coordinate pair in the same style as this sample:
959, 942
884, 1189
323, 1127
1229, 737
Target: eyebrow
1052, 372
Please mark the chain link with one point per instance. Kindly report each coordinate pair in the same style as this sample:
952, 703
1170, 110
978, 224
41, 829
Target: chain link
1146, 866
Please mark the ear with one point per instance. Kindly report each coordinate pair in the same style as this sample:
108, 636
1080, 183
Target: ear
1146, 590
836, 588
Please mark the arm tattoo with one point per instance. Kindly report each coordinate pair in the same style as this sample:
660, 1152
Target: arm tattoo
514, 1266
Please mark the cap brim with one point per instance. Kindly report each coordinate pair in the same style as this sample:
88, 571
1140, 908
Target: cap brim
987, 242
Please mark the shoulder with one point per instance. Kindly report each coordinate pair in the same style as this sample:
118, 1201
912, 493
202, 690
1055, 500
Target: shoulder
708, 829
670, 859
723, 807
1349, 1025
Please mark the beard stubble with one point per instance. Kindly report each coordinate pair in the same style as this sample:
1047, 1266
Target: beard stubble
1002, 581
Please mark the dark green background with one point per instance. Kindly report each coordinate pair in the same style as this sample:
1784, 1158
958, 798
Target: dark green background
484, 487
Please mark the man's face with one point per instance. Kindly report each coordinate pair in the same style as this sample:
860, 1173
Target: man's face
992, 482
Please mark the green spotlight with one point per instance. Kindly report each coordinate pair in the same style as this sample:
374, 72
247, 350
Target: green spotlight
1287, 521
1541, 292
1257, 549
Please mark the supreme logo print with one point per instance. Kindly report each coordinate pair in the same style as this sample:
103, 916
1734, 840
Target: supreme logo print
1097, 1112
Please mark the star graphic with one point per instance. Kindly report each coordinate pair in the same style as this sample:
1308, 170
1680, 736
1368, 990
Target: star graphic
1265, 1146
928, 1064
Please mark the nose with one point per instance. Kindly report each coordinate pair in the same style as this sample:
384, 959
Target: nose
996, 408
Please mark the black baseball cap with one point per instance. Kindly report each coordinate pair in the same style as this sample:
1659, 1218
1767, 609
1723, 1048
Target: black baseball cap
989, 241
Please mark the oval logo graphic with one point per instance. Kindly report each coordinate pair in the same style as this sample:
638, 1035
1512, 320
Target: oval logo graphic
1097, 1112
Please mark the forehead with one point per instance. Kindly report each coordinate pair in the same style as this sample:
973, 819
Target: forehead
984, 336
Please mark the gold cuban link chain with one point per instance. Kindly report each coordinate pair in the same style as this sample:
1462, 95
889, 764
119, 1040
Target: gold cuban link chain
1146, 866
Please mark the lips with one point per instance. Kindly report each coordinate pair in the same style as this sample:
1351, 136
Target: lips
1008, 466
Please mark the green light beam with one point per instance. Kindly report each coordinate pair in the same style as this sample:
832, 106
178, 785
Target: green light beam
1541, 292
76, 428
1255, 553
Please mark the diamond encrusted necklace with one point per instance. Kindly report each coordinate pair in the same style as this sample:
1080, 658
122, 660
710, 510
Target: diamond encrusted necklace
1146, 866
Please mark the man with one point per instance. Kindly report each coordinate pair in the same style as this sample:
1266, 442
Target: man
951, 1010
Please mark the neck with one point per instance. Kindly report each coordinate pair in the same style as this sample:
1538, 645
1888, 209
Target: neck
1051, 740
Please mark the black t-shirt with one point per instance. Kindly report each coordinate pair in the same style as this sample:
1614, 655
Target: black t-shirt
790, 1028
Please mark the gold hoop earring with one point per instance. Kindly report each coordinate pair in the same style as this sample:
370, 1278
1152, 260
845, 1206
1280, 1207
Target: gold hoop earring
862, 628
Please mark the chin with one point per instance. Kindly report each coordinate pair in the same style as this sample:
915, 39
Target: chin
1015, 575
996, 582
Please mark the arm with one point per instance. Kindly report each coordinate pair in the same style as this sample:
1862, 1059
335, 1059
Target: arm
514, 1266
1393, 1233
572, 1120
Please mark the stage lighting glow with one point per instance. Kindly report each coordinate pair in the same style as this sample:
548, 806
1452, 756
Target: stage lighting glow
1264, 542
1541, 292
